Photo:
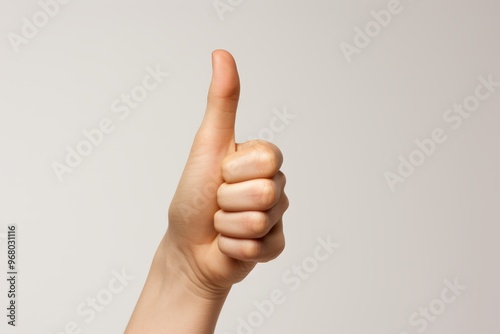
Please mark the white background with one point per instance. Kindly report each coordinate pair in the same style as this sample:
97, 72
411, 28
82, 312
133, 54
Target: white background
352, 122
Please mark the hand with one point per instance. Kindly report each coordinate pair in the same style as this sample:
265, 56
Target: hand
225, 217
226, 214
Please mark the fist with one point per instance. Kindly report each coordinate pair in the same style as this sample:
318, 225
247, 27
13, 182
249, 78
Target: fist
252, 203
226, 214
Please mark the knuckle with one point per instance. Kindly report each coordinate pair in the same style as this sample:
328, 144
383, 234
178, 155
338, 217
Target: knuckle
258, 224
268, 155
251, 249
266, 161
268, 192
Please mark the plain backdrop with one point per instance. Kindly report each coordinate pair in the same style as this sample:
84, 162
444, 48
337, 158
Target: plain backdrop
349, 123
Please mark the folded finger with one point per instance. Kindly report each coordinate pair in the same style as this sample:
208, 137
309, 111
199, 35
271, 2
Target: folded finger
252, 160
252, 195
249, 224
254, 250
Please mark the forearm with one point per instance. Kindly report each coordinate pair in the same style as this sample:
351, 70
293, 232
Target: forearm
170, 303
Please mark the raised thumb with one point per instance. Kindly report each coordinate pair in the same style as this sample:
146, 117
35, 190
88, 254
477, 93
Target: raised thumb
223, 96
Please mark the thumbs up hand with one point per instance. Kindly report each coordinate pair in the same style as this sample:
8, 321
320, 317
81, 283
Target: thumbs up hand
225, 217
226, 214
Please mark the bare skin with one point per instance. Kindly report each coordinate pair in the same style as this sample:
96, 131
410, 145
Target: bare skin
225, 217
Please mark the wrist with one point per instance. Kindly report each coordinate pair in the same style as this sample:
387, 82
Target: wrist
176, 268
173, 301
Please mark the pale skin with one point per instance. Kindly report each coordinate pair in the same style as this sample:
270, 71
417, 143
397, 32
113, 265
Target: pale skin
225, 217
